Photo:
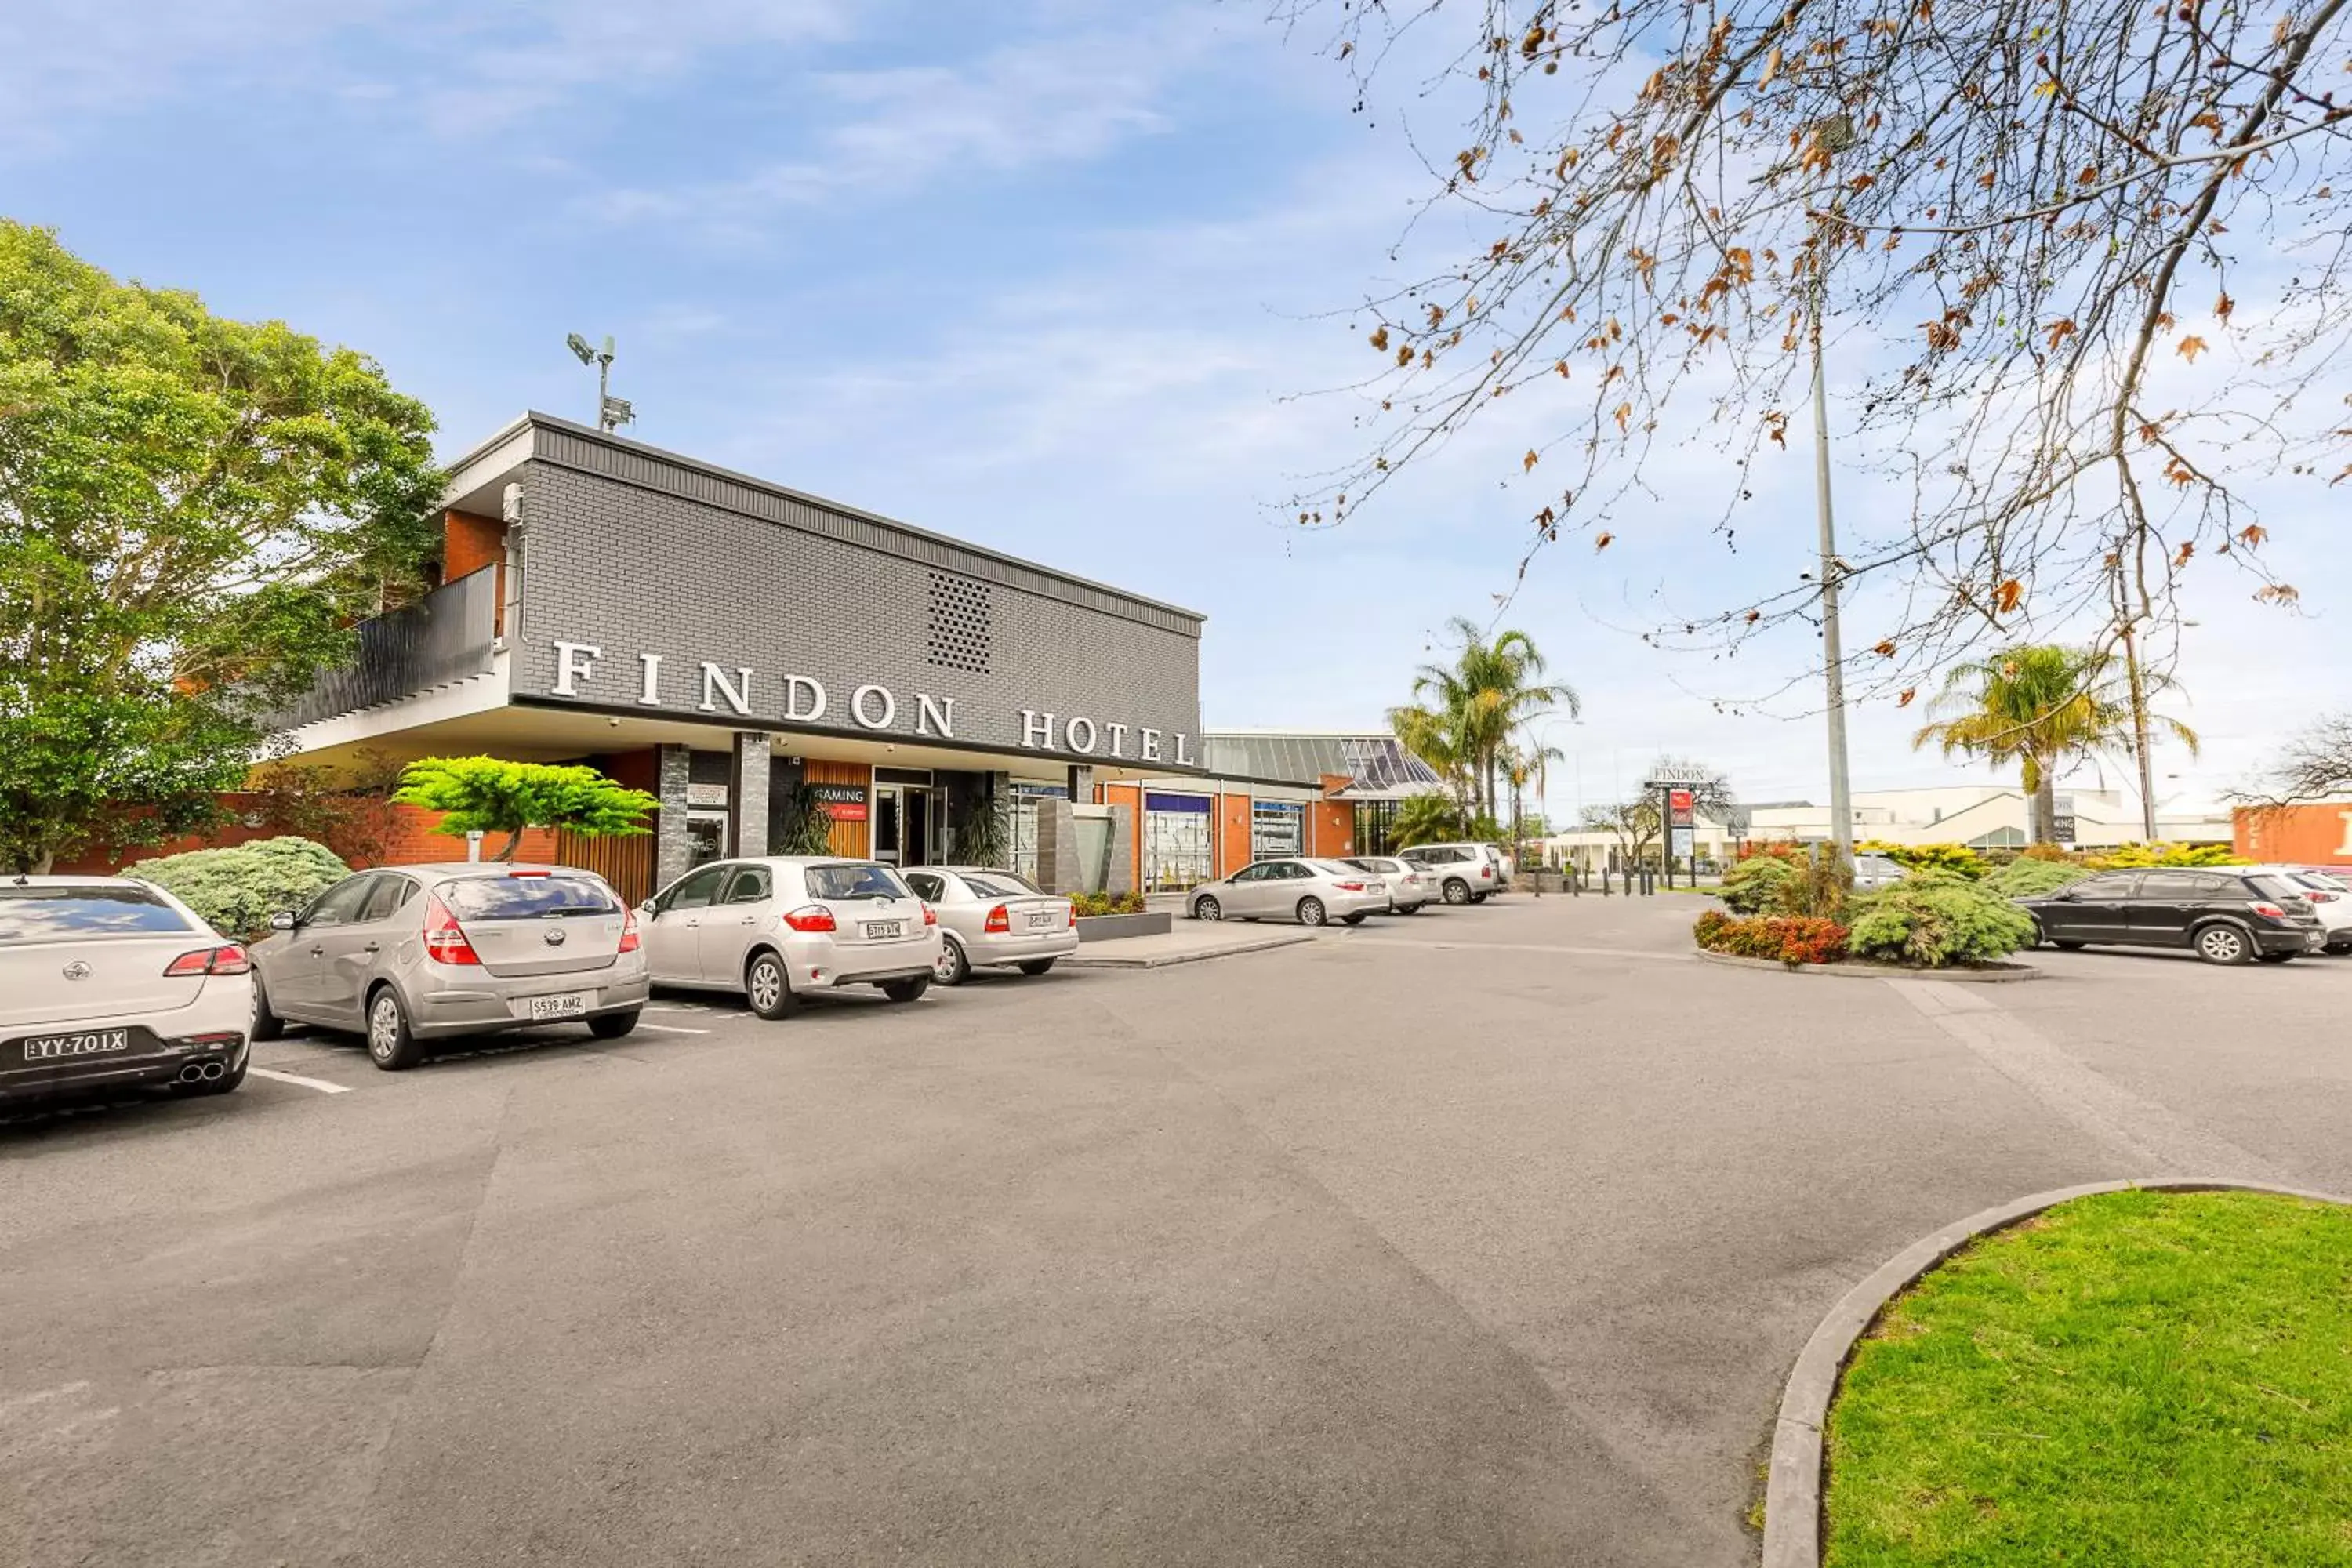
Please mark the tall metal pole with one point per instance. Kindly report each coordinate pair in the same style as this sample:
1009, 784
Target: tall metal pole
1833, 642
603, 373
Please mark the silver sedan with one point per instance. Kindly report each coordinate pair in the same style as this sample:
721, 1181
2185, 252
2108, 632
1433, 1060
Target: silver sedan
1410, 886
1312, 892
993, 918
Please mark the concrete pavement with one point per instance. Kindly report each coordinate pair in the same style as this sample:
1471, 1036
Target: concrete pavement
1485, 1236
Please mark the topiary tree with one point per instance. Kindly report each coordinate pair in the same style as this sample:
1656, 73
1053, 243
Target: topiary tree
2026, 877
1956, 859
1761, 883
2133, 857
1936, 920
239, 887
494, 795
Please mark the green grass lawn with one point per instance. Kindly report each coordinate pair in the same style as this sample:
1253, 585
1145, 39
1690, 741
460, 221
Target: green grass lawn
2137, 1379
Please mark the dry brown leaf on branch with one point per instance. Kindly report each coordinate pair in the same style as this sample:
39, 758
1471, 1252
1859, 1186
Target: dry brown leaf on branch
2223, 307
1884, 650
2005, 598
2253, 535
1624, 413
1600, 542
1381, 339
1908, 693
2180, 557
2190, 347
1527, 463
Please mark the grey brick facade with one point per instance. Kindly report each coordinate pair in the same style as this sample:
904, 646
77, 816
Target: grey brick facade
633, 552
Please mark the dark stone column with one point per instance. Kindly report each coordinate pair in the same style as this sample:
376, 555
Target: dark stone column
747, 794
673, 845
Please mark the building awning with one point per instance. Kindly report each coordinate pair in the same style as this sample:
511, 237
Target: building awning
1377, 767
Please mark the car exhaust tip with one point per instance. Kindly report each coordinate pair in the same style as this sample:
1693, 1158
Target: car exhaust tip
213, 1069
192, 1072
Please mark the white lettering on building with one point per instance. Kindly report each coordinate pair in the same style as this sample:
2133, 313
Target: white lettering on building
1181, 759
650, 688
569, 668
714, 683
794, 686
1036, 728
1150, 741
857, 707
930, 710
1070, 736
1117, 739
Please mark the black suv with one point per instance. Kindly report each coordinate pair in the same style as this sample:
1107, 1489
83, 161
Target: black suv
2226, 916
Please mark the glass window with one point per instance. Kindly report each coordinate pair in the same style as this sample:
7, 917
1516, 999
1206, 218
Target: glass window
1001, 885
385, 898
854, 880
929, 886
340, 904
2180, 885
2115, 885
45, 914
697, 891
526, 898
1278, 827
2275, 886
748, 886
1252, 874
1179, 841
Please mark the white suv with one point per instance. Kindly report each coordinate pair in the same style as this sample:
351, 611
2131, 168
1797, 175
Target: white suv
1465, 873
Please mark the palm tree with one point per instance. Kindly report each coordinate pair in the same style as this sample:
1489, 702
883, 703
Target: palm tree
1434, 737
1424, 819
2036, 706
1492, 688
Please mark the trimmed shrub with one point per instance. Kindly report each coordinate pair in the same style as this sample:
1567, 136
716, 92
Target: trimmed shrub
1761, 883
238, 888
1935, 921
2025, 879
2131, 856
1956, 859
1790, 939
1086, 906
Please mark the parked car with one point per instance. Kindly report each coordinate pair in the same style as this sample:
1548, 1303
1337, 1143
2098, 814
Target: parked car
2330, 899
1874, 871
1465, 873
1507, 865
1408, 887
1311, 892
992, 920
109, 981
416, 953
2225, 914
777, 928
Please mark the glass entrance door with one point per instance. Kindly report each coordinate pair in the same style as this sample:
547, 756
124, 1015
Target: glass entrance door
902, 825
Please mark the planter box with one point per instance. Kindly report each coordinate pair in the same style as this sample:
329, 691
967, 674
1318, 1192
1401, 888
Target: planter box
1110, 927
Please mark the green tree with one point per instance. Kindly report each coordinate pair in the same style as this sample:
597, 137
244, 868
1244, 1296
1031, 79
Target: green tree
1425, 819
494, 795
1492, 686
2036, 706
193, 513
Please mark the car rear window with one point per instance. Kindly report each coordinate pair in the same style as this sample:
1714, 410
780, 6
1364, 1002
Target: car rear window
856, 880
525, 898
2275, 886
1000, 885
45, 914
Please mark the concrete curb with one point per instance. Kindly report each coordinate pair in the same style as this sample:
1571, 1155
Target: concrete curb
1792, 1493
1879, 971
1081, 959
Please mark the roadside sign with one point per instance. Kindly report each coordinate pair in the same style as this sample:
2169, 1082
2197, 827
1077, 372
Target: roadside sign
1681, 842
1679, 803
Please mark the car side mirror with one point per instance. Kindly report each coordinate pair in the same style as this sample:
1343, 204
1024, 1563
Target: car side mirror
646, 911
282, 920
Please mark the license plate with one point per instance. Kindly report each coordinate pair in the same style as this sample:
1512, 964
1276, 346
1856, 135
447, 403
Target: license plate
882, 930
2314, 940
568, 1004
1042, 918
86, 1043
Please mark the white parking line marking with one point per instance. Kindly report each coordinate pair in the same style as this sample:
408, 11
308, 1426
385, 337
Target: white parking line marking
675, 1007
321, 1085
671, 1029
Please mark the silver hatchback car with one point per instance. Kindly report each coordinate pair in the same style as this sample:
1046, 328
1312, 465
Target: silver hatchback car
1312, 892
989, 919
1408, 885
777, 928
411, 954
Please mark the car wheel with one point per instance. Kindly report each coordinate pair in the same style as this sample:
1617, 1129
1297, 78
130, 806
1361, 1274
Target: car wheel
1457, 891
613, 1026
267, 1025
1355, 919
1310, 912
2339, 948
907, 990
766, 987
392, 1043
2272, 957
951, 967
1035, 965
1207, 910
2223, 944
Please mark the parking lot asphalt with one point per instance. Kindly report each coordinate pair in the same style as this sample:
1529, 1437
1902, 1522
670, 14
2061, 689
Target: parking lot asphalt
1482, 1237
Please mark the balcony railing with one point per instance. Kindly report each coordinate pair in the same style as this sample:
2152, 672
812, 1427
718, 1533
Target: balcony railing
448, 634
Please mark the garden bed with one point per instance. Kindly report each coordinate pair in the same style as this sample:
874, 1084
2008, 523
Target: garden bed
1863, 969
2157, 1378
1109, 928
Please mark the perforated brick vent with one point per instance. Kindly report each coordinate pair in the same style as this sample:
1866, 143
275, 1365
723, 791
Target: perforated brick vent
962, 625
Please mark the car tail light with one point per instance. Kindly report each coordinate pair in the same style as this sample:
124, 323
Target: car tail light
813, 917
1349, 886
998, 921
629, 932
445, 939
2316, 897
1486, 873
526, 873
227, 960
2268, 911
930, 916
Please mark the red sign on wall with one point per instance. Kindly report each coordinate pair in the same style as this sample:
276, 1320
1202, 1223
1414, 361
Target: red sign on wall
1678, 807
846, 810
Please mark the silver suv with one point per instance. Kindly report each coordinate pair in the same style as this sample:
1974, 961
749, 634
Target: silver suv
413, 954
1465, 873
776, 929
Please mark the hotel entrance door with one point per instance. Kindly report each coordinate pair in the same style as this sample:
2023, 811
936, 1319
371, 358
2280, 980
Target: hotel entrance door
902, 823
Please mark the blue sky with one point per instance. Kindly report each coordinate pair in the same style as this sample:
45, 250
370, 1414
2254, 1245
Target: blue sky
1049, 275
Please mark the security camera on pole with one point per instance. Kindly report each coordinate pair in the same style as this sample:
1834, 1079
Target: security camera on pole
612, 412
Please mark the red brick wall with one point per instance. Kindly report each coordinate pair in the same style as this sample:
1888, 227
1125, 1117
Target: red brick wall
414, 843
2296, 834
1233, 832
1131, 797
1332, 824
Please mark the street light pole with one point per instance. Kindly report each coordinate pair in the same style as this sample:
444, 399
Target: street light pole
1835, 134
